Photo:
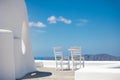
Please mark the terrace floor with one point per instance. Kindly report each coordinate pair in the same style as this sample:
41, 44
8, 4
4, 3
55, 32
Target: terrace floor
49, 74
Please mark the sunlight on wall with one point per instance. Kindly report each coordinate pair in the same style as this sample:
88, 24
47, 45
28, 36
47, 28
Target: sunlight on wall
23, 47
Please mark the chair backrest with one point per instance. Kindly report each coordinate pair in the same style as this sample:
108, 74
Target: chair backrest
58, 53
75, 52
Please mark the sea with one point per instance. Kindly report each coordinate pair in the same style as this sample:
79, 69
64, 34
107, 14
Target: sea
44, 58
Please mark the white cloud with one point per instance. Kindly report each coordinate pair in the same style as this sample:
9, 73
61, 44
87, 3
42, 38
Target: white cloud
52, 19
36, 24
66, 21
82, 22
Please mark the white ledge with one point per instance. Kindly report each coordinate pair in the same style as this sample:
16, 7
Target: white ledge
4, 31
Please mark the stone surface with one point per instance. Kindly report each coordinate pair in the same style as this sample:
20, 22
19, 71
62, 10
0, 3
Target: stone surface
50, 74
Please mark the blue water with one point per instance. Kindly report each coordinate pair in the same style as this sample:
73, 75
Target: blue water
44, 58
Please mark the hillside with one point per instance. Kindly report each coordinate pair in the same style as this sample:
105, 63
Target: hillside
101, 57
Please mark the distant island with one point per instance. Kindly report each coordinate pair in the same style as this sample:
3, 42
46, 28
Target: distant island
101, 57
89, 57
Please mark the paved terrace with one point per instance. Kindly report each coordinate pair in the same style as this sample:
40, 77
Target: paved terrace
49, 74
46, 71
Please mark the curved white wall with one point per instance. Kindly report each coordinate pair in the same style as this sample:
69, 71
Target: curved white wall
13, 16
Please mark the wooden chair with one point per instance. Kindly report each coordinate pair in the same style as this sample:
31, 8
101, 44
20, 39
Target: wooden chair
76, 57
60, 60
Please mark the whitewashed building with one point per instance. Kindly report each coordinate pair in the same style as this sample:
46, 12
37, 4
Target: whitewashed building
16, 58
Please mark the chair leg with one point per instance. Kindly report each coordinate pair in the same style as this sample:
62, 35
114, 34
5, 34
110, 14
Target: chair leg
56, 66
80, 63
68, 64
73, 65
83, 63
61, 65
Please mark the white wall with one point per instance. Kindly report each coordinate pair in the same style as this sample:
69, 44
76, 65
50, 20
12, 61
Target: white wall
13, 16
7, 66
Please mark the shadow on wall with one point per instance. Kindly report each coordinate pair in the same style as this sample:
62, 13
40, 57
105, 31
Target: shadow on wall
35, 74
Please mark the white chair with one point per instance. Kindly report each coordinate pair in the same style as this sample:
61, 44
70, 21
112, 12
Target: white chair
76, 57
60, 60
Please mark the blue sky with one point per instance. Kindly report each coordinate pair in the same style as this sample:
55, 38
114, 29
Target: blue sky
92, 24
